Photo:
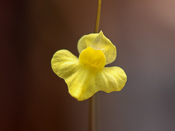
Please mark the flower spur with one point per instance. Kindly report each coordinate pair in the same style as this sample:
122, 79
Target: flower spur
87, 75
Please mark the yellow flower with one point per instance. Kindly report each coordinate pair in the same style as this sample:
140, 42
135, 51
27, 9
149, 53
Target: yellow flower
86, 75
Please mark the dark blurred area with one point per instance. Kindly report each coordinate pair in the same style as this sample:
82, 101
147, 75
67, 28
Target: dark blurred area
33, 98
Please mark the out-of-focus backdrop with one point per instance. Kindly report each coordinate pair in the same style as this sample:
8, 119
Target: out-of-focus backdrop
33, 98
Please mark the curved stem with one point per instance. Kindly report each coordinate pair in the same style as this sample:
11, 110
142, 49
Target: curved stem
98, 17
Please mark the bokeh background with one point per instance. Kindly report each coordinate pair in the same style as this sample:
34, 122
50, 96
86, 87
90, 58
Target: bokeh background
33, 98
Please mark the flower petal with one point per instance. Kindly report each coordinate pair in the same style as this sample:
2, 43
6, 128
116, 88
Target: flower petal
111, 79
98, 42
64, 63
80, 84
84, 83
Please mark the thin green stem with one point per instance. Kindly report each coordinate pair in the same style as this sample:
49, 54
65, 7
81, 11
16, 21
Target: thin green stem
93, 100
98, 17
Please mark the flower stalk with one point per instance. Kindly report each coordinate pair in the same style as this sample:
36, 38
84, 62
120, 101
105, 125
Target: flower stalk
93, 100
98, 17
93, 113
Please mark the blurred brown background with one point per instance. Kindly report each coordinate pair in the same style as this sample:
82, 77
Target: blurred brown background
33, 98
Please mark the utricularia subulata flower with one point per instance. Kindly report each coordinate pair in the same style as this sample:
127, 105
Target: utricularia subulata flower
87, 74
